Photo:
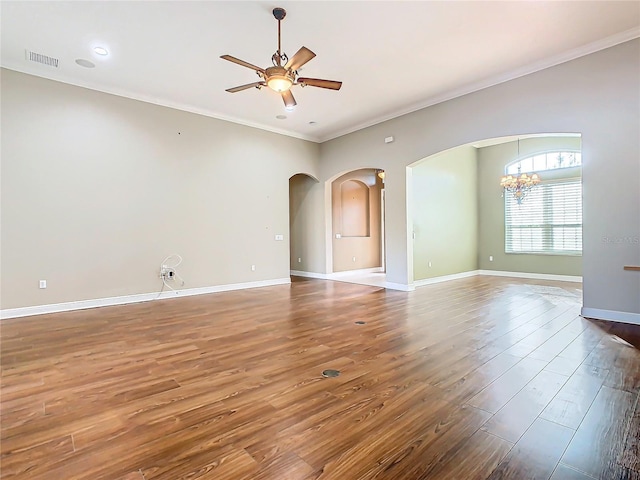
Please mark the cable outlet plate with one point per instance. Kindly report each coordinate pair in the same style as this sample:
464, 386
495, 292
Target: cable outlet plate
167, 272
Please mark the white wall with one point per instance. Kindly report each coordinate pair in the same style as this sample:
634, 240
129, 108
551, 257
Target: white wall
98, 189
596, 95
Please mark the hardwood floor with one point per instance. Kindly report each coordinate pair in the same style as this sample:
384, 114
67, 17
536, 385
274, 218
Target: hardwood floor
480, 378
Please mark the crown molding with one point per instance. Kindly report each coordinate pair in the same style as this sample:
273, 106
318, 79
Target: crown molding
160, 102
548, 62
558, 59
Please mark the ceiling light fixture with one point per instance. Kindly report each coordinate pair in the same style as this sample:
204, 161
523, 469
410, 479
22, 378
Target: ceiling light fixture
279, 79
101, 51
520, 184
284, 72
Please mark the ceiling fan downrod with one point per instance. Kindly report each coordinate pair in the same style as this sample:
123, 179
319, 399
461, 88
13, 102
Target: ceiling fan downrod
279, 57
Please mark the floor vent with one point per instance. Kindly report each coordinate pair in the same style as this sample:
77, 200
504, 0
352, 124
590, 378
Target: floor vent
40, 58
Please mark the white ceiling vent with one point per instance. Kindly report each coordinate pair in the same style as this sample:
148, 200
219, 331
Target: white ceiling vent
40, 58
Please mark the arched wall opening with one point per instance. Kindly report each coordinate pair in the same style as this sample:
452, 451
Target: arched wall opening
457, 212
306, 229
591, 95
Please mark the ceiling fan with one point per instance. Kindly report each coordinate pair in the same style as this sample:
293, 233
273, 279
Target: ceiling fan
284, 72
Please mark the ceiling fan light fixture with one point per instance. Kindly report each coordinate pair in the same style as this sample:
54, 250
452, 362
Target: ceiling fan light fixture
278, 79
279, 83
284, 73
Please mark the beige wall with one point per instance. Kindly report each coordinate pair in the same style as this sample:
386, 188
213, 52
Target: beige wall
445, 213
491, 164
596, 95
306, 226
365, 249
98, 189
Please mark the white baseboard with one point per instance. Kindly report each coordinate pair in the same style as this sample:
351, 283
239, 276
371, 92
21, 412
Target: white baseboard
299, 273
400, 286
534, 276
335, 275
142, 297
611, 315
346, 273
445, 278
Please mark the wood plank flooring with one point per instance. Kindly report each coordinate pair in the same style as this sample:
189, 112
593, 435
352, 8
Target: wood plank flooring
479, 378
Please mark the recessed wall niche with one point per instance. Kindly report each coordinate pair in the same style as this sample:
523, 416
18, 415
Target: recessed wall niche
354, 200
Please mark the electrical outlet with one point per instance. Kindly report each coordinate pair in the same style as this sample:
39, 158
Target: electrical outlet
279, 237
299, 260
43, 284
429, 264
354, 259
253, 268
491, 258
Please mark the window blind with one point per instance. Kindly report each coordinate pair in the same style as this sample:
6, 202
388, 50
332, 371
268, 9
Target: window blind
548, 221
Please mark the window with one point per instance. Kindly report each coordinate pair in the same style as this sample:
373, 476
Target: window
549, 219
545, 161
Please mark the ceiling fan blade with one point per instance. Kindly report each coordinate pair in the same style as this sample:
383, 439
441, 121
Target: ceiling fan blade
316, 82
242, 62
245, 87
289, 101
301, 57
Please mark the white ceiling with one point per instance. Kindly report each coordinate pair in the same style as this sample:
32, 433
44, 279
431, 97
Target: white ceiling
393, 57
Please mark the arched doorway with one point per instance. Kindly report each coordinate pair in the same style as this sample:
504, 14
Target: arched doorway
305, 229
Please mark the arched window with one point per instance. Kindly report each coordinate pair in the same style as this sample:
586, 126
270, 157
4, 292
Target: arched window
545, 161
549, 219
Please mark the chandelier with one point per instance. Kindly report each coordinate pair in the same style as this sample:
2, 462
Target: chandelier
519, 185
